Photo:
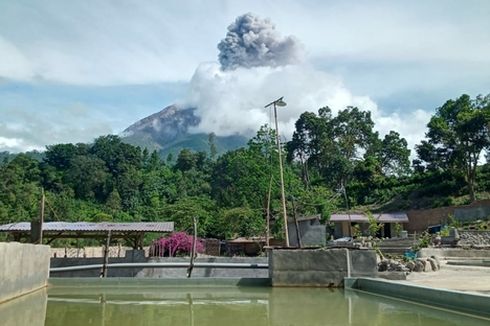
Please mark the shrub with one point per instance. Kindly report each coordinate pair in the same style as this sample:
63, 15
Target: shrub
423, 242
177, 244
356, 231
374, 226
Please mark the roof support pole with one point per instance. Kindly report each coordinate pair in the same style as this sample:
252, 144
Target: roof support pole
106, 255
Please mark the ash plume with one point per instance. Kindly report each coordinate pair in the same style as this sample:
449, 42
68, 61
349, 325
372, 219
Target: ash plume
254, 42
257, 65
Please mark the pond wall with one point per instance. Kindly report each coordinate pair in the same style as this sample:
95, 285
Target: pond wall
320, 268
28, 310
24, 268
149, 272
466, 302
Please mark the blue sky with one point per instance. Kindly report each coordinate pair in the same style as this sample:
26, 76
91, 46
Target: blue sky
73, 70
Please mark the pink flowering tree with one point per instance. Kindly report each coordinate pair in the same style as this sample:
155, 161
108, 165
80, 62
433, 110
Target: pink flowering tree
177, 244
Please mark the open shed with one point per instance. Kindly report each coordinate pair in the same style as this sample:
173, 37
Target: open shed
343, 221
133, 232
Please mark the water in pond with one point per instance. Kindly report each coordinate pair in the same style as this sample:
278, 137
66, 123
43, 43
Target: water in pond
124, 306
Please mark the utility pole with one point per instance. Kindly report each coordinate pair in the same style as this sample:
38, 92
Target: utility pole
280, 102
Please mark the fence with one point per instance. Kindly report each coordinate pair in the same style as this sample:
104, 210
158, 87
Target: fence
420, 220
91, 252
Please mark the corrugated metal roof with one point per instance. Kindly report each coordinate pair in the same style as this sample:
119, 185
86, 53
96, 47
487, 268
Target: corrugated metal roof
92, 227
382, 218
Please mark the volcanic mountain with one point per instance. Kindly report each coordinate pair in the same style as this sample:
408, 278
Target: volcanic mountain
167, 132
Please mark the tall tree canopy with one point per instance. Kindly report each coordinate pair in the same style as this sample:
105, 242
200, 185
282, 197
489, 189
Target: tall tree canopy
111, 180
458, 133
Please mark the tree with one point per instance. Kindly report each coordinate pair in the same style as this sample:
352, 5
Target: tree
113, 202
118, 156
213, 151
394, 155
458, 133
242, 177
330, 144
20, 190
183, 211
242, 222
88, 177
60, 156
306, 144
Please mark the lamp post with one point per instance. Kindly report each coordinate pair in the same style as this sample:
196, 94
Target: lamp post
280, 102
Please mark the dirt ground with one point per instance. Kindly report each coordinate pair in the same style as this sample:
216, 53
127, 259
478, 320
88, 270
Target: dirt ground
462, 278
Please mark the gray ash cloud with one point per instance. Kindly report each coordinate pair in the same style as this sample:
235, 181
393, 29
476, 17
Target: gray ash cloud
254, 42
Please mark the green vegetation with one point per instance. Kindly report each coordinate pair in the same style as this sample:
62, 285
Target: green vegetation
328, 156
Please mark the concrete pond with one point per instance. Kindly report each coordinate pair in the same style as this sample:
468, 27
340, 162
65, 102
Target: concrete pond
300, 288
129, 302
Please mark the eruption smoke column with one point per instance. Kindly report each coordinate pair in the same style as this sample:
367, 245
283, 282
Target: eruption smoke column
253, 42
256, 64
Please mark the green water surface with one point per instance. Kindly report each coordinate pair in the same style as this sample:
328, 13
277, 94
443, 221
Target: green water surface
234, 306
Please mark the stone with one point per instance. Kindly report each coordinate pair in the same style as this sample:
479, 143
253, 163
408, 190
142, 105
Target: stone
422, 260
383, 266
419, 266
427, 267
433, 264
411, 265
438, 262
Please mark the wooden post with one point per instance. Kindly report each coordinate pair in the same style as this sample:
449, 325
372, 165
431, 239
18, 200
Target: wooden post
106, 255
348, 209
193, 249
298, 232
41, 218
268, 216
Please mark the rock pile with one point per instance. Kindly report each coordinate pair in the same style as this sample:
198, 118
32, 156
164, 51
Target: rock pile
418, 265
392, 265
474, 239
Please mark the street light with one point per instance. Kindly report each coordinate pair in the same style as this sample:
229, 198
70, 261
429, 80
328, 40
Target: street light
280, 102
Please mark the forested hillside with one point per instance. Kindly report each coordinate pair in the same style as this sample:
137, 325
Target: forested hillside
333, 163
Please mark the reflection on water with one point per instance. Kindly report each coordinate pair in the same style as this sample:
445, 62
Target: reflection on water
124, 306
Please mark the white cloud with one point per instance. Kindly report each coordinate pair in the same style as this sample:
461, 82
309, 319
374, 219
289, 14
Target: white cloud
13, 63
9, 142
412, 125
232, 102
127, 42
130, 42
17, 145
24, 131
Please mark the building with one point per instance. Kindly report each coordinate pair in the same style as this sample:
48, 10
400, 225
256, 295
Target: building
344, 221
312, 232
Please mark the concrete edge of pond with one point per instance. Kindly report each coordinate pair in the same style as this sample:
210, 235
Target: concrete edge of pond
464, 302
155, 282
24, 268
